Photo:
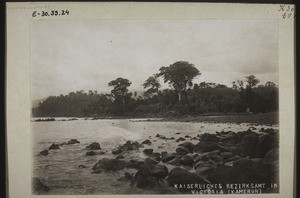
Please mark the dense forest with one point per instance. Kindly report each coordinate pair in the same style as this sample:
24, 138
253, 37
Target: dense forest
182, 98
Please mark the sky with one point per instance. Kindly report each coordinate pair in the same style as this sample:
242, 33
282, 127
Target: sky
73, 55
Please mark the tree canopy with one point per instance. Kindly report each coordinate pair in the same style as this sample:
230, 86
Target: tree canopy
179, 75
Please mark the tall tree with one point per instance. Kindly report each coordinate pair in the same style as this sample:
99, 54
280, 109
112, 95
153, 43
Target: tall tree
152, 84
120, 90
179, 75
251, 81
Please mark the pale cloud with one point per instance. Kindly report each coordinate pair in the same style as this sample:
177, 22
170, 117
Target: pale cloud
70, 55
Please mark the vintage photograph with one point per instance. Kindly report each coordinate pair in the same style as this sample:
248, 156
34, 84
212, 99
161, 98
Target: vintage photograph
154, 106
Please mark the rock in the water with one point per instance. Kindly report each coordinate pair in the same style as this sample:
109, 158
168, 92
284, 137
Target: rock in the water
187, 160
207, 137
188, 145
204, 146
108, 165
270, 165
180, 139
93, 146
128, 146
44, 152
38, 187
156, 156
148, 151
72, 141
182, 176
81, 166
146, 142
90, 153
54, 147
182, 150
150, 161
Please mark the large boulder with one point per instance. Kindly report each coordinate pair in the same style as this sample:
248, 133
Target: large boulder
205, 169
207, 137
180, 176
38, 187
128, 146
188, 145
270, 165
248, 145
169, 157
148, 151
149, 174
54, 147
182, 150
187, 160
106, 164
266, 143
72, 141
93, 146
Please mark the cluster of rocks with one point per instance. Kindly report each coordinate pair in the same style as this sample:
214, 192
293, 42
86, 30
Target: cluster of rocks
221, 158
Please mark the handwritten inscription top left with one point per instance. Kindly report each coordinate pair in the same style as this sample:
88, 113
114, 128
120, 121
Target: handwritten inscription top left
50, 13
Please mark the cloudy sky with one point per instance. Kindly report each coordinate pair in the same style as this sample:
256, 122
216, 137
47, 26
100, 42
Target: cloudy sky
72, 55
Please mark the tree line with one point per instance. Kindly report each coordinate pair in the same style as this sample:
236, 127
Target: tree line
183, 97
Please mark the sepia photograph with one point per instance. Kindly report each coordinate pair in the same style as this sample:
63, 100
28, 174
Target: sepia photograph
154, 106
137, 102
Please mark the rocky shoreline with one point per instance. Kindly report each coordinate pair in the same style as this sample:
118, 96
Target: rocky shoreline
209, 166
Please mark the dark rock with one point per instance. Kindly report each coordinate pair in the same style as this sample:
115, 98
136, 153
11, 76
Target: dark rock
38, 187
127, 177
265, 144
207, 137
108, 165
180, 139
150, 161
226, 155
270, 166
208, 155
168, 158
134, 164
187, 136
148, 151
54, 147
90, 153
120, 157
164, 154
209, 146
44, 152
182, 150
171, 138
187, 160
156, 156
235, 175
72, 141
248, 145
188, 145
128, 146
174, 162
205, 169
147, 182
149, 174
234, 158
146, 142
230, 139
81, 166
94, 146
244, 162
182, 176
157, 135
177, 133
